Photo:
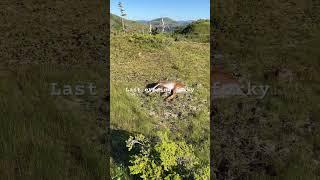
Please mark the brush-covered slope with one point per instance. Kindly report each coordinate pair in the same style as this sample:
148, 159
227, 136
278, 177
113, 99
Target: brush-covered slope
198, 31
116, 24
197, 28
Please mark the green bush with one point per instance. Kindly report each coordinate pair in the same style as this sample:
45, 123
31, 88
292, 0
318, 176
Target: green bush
164, 158
118, 172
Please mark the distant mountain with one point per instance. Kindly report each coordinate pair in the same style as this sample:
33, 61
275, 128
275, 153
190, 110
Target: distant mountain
143, 21
170, 24
167, 21
185, 22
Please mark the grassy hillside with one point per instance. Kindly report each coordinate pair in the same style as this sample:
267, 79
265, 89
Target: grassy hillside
137, 60
197, 28
269, 43
116, 25
196, 31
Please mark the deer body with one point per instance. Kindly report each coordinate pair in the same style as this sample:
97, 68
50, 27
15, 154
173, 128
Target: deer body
172, 86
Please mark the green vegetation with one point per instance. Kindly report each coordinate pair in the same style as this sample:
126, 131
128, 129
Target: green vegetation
51, 137
196, 28
271, 43
196, 31
150, 41
138, 60
43, 136
167, 159
132, 26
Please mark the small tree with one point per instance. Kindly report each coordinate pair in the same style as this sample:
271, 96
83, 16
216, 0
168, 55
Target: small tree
123, 14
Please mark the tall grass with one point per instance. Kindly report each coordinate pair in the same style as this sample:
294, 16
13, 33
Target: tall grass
49, 137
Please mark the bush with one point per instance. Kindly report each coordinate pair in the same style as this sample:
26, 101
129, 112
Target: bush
164, 159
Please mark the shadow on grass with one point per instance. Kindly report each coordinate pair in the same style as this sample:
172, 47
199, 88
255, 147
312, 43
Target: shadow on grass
149, 86
119, 151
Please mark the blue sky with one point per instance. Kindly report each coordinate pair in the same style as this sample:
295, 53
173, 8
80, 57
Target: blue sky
175, 9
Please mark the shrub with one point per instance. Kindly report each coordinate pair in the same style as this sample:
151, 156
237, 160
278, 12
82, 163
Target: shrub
164, 158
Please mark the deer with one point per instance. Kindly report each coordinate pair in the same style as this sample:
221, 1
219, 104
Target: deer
173, 87
219, 77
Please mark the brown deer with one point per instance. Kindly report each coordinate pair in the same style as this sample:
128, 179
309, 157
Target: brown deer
172, 86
